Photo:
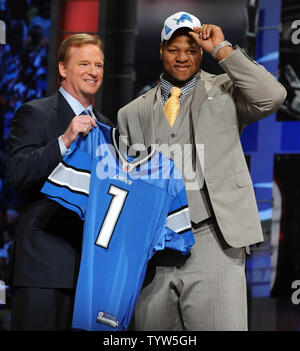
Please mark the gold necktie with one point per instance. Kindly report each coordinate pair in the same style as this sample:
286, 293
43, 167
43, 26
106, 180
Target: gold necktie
172, 106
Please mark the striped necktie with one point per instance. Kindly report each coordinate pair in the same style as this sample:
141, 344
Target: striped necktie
172, 106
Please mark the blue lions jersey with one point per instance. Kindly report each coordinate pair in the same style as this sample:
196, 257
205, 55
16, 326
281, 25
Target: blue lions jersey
132, 206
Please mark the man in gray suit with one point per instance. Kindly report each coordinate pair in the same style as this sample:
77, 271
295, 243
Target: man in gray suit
206, 291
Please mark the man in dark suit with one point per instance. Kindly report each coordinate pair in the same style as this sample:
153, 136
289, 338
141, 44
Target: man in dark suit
46, 255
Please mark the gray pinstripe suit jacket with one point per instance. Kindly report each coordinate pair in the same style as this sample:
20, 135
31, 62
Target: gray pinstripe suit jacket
222, 106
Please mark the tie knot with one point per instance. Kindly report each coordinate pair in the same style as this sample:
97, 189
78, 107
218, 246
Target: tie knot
175, 91
86, 112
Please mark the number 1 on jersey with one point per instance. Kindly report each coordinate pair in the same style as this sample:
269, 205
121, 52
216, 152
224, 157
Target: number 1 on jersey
116, 205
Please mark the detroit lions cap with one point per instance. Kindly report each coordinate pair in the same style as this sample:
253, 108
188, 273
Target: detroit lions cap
176, 21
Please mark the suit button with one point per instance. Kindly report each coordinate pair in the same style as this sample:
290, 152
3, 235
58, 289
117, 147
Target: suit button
173, 135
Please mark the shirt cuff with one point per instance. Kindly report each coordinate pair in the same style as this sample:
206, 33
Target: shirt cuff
62, 146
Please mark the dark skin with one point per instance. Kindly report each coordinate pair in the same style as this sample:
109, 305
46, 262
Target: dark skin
182, 54
208, 36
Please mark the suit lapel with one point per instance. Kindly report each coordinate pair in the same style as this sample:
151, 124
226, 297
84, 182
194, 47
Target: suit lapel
98, 115
146, 116
199, 96
64, 111
146, 111
217, 82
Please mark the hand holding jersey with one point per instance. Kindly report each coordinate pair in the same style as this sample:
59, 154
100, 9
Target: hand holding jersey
44, 260
136, 208
79, 124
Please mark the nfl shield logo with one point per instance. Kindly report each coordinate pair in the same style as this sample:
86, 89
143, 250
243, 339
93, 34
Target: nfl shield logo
127, 167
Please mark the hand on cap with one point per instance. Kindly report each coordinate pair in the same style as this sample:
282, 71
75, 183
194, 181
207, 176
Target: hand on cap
208, 36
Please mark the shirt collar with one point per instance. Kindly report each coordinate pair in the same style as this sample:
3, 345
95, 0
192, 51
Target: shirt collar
76, 106
166, 86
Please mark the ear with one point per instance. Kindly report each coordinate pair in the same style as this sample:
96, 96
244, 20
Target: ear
161, 50
62, 69
201, 52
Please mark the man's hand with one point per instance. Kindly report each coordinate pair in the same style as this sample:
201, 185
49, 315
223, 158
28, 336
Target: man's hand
208, 36
79, 124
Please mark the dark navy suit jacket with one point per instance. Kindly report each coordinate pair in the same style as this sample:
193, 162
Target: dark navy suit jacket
47, 247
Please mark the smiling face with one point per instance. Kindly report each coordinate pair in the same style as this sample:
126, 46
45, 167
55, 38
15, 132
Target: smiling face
181, 57
82, 73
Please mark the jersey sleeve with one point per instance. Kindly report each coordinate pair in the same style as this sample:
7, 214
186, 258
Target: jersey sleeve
69, 183
178, 230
